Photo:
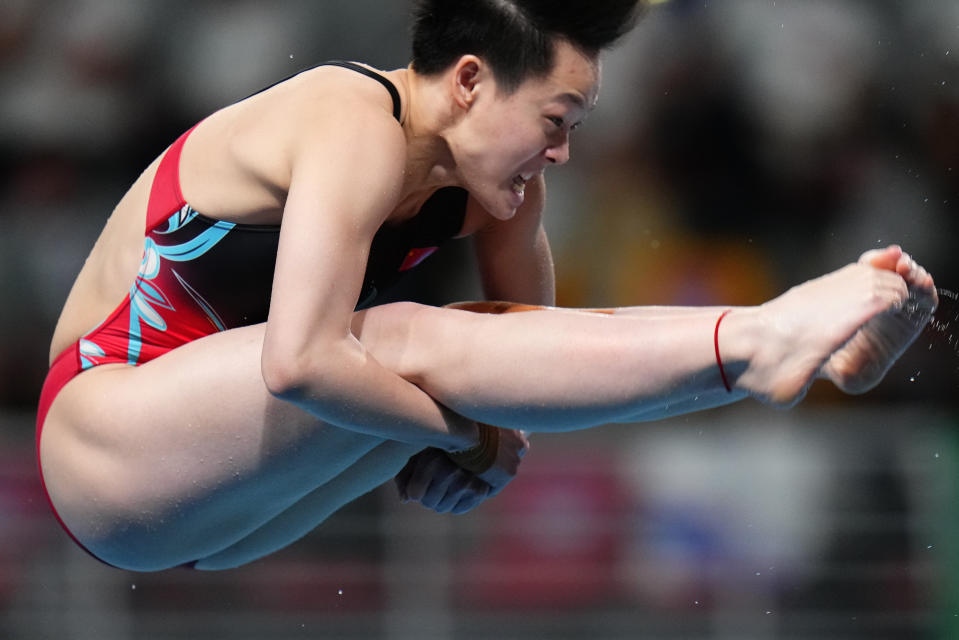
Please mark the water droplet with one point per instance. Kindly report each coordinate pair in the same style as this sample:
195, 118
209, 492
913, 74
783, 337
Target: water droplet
339, 592
758, 573
769, 613
291, 56
929, 547
696, 602
937, 455
133, 587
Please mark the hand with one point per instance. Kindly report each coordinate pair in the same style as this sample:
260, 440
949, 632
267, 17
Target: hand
800, 330
436, 482
863, 361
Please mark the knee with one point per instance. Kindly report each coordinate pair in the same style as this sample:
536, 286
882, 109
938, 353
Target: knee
405, 337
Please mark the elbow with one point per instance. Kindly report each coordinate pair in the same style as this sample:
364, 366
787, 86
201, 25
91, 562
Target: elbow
288, 373
283, 376
293, 374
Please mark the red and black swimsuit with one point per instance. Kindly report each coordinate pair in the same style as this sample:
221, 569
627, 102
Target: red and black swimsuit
199, 275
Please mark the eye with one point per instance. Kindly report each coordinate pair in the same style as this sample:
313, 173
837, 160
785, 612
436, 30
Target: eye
557, 121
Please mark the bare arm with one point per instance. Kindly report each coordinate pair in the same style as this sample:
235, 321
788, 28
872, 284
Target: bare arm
514, 258
347, 166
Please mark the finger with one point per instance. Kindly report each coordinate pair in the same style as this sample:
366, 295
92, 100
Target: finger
472, 499
424, 471
444, 477
455, 493
441, 486
467, 504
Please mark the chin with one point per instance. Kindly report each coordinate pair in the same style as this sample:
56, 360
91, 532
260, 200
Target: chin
500, 206
503, 213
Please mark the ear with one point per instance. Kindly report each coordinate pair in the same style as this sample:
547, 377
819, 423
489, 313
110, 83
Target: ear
465, 79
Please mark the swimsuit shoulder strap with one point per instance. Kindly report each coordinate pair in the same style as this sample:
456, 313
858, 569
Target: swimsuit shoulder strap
369, 73
165, 194
397, 104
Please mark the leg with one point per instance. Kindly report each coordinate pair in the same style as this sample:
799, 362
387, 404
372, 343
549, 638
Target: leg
706, 400
186, 455
376, 467
189, 454
552, 369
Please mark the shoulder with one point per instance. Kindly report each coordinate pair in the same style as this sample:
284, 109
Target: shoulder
327, 99
335, 119
320, 109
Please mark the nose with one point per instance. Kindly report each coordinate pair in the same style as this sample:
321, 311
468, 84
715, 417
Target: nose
558, 154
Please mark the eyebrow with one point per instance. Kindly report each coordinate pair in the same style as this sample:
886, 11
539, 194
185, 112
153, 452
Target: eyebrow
577, 99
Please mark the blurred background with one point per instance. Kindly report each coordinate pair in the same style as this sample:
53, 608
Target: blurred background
739, 148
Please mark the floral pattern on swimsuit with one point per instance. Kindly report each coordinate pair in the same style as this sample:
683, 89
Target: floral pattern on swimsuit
154, 311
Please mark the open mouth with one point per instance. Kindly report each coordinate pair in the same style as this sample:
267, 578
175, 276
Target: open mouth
519, 183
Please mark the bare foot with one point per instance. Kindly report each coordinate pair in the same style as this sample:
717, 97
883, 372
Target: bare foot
801, 330
863, 361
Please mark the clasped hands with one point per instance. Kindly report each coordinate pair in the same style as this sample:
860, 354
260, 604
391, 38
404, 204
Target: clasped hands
436, 482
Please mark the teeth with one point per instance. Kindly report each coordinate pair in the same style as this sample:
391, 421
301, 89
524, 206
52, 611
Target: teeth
519, 185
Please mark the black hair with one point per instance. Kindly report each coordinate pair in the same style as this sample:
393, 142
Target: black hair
517, 38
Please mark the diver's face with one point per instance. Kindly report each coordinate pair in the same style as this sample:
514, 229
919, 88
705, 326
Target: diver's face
512, 137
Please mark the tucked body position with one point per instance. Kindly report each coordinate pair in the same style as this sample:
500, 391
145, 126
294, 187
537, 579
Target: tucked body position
222, 375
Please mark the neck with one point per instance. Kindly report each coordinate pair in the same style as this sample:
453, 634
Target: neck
430, 163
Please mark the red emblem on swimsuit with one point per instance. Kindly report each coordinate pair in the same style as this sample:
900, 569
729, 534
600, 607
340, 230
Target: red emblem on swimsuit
416, 256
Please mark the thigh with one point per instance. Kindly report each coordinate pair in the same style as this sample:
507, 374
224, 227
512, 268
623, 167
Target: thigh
184, 455
376, 467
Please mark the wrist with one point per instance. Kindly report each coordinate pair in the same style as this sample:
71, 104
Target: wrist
463, 433
480, 457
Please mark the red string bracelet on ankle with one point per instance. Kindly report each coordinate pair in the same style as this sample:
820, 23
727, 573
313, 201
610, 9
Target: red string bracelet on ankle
719, 361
